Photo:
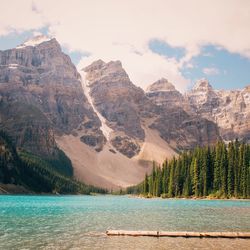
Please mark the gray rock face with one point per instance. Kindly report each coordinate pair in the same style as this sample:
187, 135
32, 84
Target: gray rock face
230, 110
126, 107
41, 75
161, 85
126, 145
94, 141
177, 123
185, 131
203, 99
41, 64
117, 100
163, 92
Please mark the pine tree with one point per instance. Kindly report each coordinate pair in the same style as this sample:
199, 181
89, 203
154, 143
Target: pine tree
230, 173
195, 177
236, 168
154, 179
241, 168
223, 169
177, 178
244, 172
171, 178
217, 165
151, 185
164, 178
187, 190
146, 185
158, 184
204, 170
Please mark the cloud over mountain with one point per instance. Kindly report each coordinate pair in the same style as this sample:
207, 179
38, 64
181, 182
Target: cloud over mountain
122, 30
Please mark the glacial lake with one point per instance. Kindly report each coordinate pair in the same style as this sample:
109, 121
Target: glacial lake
80, 222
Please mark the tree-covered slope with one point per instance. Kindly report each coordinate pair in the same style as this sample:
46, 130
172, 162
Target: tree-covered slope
36, 174
222, 171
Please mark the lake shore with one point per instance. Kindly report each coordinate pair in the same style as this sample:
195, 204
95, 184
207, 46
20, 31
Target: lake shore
11, 189
186, 198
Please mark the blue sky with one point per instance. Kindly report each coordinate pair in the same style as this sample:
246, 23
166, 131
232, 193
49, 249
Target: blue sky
177, 40
227, 70
223, 69
13, 39
232, 70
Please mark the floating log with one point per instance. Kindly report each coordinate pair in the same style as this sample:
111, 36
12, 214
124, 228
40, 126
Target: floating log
179, 234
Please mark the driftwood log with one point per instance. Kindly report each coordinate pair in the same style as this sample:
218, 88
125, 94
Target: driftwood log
179, 234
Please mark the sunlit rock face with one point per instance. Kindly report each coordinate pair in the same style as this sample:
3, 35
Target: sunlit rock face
120, 102
39, 74
229, 109
162, 92
202, 98
129, 110
177, 123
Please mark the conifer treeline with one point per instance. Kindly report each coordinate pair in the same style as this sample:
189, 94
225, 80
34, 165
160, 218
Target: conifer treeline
220, 171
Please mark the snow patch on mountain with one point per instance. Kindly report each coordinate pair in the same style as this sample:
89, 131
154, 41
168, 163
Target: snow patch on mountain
13, 66
34, 41
106, 130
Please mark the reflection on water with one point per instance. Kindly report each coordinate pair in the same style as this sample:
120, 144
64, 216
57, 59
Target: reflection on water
80, 222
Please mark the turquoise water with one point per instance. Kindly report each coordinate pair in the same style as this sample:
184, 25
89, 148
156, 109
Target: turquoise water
80, 222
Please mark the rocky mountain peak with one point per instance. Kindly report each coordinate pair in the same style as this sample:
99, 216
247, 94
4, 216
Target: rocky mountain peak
163, 93
202, 98
40, 74
100, 64
202, 85
34, 41
100, 71
247, 88
39, 61
96, 65
161, 85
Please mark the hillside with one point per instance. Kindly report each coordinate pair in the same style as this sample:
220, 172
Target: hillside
30, 173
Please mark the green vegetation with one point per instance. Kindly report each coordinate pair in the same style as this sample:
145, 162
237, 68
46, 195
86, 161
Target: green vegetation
222, 171
38, 175
61, 163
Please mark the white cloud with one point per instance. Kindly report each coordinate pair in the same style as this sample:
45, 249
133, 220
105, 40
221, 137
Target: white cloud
121, 30
18, 16
142, 69
37, 33
211, 71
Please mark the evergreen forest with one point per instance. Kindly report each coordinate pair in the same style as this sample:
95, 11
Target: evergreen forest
220, 171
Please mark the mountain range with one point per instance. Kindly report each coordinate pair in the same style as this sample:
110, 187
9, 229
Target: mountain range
109, 128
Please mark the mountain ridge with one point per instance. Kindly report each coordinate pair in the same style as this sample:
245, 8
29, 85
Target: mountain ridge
100, 119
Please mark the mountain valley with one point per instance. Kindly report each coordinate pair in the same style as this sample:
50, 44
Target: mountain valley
109, 128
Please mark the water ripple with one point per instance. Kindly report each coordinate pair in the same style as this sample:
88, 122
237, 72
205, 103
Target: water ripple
80, 222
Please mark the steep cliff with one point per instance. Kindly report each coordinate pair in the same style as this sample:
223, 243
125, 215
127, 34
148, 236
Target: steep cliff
40, 75
229, 109
162, 92
176, 122
120, 102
